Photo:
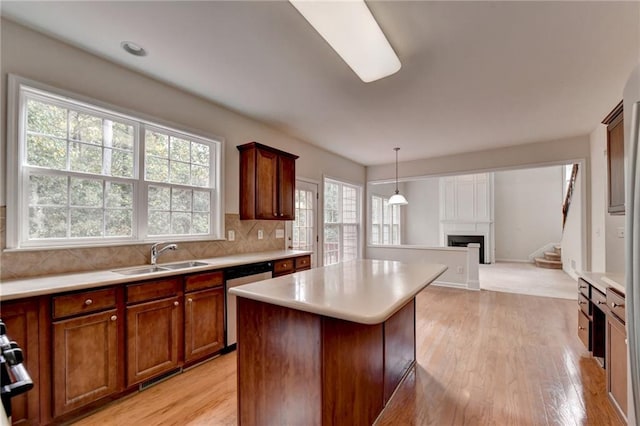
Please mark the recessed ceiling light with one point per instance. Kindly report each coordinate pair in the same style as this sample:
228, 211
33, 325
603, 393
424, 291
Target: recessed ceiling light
133, 48
352, 31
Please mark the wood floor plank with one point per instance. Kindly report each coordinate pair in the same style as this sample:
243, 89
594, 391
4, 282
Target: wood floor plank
483, 358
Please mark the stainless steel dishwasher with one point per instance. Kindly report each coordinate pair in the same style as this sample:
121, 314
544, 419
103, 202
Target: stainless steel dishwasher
239, 275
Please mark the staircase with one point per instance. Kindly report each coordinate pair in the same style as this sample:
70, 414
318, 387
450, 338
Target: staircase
551, 259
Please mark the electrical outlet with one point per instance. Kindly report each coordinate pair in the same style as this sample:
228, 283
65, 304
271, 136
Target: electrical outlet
231, 235
279, 233
620, 232
460, 270
260, 234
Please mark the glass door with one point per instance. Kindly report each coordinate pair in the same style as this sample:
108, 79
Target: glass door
304, 234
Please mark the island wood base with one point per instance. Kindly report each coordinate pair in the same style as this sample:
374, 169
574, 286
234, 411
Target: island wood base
299, 368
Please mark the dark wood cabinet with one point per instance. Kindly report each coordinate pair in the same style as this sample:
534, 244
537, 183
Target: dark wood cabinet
616, 336
291, 265
203, 323
21, 319
615, 160
154, 328
85, 360
267, 183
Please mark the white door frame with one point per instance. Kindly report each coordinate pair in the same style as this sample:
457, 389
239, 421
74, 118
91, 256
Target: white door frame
314, 186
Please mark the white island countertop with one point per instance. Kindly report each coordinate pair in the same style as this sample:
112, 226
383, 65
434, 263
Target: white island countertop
363, 291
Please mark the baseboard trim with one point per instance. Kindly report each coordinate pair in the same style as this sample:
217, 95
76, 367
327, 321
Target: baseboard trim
450, 284
515, 261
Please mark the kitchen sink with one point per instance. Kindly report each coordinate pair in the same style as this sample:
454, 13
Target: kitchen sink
184, 265
142, 270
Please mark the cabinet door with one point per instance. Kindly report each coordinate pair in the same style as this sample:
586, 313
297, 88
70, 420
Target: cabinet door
153, 339
21, 319
203, 323
617, 363
287, 188
85, 360
266, 184
584, 329
615, 165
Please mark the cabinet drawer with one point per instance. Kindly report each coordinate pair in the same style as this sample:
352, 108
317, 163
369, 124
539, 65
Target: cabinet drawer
584, 287
283, 266
598, 299
616, 304
203, 281
303, 262
83, 303
583, 328
583, 303
151, 290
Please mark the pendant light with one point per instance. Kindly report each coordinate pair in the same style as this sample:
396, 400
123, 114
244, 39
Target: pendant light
397, 199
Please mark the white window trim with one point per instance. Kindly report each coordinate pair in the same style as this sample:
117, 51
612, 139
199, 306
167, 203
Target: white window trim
382, 223
15, 179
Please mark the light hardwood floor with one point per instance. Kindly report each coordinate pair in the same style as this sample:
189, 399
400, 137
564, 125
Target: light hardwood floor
483, 358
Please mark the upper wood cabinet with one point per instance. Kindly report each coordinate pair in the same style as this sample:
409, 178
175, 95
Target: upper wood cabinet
267, 182
615, 160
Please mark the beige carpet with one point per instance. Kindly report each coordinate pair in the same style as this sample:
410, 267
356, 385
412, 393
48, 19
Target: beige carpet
526, 278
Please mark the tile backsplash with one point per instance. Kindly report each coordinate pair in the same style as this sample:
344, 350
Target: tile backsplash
24, 264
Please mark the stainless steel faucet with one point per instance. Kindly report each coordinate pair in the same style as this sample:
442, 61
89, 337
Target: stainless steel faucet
155, 253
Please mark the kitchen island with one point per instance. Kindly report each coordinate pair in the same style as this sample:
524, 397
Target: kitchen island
329, 345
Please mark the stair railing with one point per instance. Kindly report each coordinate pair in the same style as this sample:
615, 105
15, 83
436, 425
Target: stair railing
569, 194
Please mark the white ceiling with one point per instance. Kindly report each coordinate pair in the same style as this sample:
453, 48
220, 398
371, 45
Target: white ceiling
475, 75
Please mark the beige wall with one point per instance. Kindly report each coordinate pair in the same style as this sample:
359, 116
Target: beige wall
519, 156
598, 142
32, 55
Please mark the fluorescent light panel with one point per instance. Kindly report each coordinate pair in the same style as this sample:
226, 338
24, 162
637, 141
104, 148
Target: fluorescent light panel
351, 30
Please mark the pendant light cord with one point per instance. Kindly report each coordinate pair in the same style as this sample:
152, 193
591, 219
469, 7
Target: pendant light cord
396, 150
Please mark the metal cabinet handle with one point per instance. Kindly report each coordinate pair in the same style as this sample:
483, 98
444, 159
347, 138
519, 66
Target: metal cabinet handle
88, 302
582, 286
113, 317
189, 300
176, 303
617, 305
580, 302
580, 327
275, 214
600, 302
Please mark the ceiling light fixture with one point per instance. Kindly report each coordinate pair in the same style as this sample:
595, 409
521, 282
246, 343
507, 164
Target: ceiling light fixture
133, 48
397, 199
352, 31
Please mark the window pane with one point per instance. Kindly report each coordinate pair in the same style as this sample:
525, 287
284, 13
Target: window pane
156, 144
86, 192
201, 201
46, 152
180, 150
47, 222
46, 119
48, 190
118, 223
350, 242
119, 195
159, 198
86, 222
122, 136
85, 158
121, 163
159, 223
199, 175
200, 153
84, 127
201, 223
157, 169
179, 172
181, 200
180, 223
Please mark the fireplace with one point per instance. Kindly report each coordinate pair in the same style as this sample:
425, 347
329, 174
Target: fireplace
463, 240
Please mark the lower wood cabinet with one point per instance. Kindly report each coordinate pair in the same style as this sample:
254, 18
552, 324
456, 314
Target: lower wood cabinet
203, 323
85, 360
153, 338
617, 363
21, 319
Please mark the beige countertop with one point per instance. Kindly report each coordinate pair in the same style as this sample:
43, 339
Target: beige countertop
602, 280
28, 287
363, 291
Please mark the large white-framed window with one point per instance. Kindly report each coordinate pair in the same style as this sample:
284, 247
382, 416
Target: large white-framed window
86, 173
385, 221
341, 221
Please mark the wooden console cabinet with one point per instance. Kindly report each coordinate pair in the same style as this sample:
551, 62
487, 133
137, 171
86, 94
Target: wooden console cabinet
267, 183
